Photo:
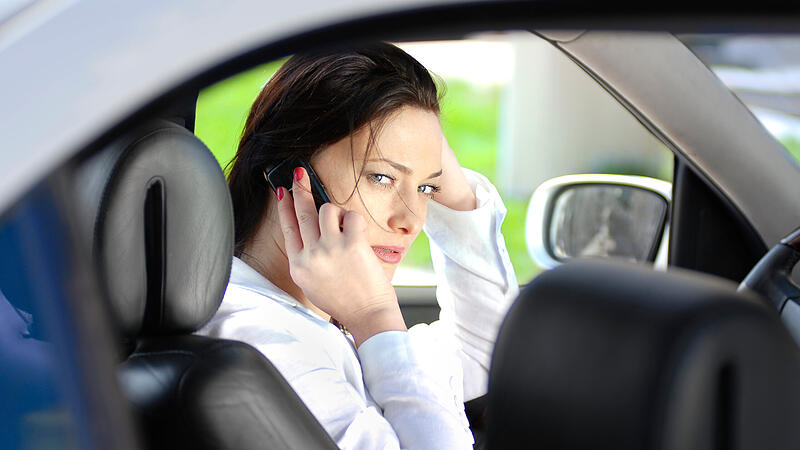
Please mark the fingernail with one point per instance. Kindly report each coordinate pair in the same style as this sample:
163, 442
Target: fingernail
298, 174
279, 193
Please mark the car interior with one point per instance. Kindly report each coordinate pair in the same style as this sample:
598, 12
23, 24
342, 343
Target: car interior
650, 360
166, 281
117, 258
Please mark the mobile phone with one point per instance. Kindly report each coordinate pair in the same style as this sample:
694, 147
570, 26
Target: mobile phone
283, 175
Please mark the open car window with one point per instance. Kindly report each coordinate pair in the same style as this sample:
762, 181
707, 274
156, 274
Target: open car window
514, 108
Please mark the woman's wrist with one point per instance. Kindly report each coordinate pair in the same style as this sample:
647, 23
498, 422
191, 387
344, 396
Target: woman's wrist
376, 320
459, 197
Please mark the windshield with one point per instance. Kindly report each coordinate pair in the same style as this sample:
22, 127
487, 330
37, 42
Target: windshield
764, 72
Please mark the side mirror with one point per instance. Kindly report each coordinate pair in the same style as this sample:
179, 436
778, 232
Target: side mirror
605, 216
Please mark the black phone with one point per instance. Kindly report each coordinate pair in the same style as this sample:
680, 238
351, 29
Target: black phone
283, 175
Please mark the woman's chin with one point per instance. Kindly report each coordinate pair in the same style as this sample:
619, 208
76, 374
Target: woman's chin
388, 269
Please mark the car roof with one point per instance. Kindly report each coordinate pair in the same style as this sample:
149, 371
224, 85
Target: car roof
73, 69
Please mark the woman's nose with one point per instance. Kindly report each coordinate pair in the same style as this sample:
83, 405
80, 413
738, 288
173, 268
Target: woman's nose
408, 216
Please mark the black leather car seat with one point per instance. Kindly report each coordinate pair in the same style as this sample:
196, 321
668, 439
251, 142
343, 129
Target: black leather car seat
163, 242
617, 356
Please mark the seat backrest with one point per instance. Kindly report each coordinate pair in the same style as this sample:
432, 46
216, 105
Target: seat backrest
612, 355
161, 224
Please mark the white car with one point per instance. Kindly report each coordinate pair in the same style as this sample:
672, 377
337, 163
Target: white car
98, 305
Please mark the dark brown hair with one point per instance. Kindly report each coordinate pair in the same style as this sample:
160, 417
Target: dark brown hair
314, 100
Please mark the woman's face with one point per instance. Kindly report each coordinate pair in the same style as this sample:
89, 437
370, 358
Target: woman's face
398, 178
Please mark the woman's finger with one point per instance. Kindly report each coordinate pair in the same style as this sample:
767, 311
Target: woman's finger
286, 215
330, 220
304, 207
354, 226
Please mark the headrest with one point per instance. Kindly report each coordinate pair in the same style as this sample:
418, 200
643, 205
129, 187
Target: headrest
614, 355
162, 229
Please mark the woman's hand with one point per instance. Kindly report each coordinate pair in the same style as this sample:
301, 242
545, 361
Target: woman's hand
456, 192
331, 260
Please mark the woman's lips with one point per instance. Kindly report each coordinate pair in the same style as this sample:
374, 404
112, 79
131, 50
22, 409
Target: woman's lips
388, 253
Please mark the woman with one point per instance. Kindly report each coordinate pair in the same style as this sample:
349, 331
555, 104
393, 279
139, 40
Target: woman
366, 118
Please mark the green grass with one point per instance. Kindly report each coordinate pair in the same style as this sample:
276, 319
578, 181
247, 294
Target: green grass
469, 120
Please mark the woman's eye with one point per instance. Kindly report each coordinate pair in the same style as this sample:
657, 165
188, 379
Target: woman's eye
381, 179
428, 189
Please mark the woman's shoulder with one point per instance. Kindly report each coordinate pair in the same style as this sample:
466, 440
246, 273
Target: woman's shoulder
248, 290
287, 334
263, 315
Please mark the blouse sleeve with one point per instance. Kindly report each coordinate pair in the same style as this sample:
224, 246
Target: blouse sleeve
476, 283
406, 404
411, 410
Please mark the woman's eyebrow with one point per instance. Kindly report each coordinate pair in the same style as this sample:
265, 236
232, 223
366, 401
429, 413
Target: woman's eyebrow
403, 168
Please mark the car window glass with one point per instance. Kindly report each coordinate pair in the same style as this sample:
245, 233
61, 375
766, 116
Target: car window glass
764, 72
514, 109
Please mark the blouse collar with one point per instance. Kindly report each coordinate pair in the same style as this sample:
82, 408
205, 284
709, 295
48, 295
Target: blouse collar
246, 277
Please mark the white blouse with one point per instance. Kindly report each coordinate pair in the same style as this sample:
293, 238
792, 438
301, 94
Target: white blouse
399, 389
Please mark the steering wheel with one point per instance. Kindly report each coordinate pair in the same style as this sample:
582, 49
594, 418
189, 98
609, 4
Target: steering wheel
771, 278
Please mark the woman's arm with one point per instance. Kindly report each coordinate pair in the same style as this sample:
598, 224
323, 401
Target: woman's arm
476, 281
455, 193
405, 404
411, 410
337, 271
331, 260
415, 395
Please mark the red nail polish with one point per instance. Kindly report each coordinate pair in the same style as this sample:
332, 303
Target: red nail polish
279, 193
298, 174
